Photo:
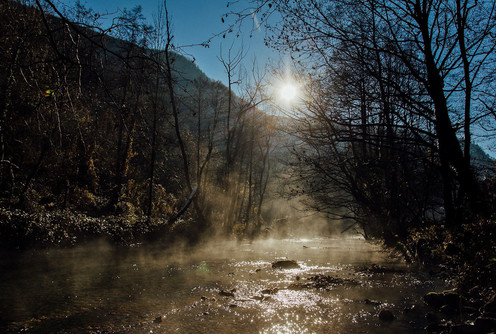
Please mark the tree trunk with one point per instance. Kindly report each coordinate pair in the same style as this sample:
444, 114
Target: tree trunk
450, 152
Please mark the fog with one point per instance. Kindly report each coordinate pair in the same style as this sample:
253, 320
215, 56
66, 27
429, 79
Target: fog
216, 286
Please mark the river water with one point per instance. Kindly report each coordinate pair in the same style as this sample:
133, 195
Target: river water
222, 287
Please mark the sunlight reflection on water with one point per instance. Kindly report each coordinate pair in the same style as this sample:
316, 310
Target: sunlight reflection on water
151, 289
288, 328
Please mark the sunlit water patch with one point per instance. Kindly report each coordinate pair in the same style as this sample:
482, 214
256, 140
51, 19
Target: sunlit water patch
223, 287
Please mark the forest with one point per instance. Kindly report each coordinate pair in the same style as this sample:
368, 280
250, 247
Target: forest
113, 123
397, 94
108, 131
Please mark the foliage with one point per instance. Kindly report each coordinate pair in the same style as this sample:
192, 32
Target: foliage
465, 255
19, 229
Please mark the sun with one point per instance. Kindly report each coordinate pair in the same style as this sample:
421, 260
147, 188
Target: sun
288, 92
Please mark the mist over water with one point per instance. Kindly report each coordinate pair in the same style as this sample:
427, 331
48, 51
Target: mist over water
220, 286
293, 219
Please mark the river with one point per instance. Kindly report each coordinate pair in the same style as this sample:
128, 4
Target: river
221, 287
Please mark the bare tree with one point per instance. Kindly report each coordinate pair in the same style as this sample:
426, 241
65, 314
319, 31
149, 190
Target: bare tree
412, 50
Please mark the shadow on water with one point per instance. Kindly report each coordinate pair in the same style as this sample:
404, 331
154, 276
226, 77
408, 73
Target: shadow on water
222, 287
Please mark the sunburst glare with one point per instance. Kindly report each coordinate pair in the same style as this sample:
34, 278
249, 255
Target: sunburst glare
288, 91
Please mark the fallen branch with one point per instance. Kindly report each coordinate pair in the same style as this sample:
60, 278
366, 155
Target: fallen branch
184, 208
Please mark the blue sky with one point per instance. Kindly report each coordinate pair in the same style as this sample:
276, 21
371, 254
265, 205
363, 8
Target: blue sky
195, 21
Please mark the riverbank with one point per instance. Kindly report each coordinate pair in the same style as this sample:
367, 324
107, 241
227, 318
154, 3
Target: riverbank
22, 230
465, 257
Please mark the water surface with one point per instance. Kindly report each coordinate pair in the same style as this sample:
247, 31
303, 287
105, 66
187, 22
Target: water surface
97, 288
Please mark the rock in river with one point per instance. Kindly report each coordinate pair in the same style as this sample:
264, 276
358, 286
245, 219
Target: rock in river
285, 264
269, 291
226, 293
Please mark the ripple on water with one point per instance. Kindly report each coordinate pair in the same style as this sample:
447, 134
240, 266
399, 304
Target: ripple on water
126, 292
